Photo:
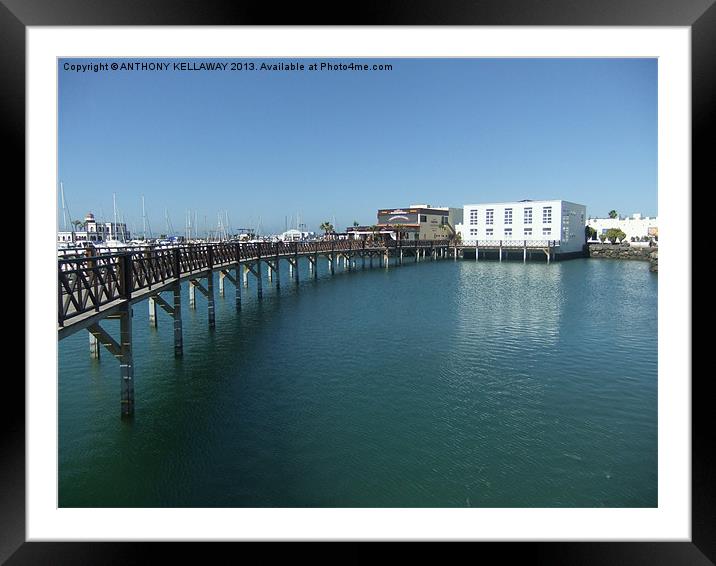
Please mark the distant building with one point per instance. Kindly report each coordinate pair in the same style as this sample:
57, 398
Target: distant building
531, 221
294, 235
95, 232
416, 222
635, 226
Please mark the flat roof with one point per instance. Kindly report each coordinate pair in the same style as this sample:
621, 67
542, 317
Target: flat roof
524, 202
413, 209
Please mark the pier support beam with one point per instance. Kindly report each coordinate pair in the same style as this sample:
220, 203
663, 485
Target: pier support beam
211, 310
122, 350
259, 281
152, 312
126, 361
246, 276
221, 283
192, 294
178, 339
94, 346
256, 271
208, 292
237, 285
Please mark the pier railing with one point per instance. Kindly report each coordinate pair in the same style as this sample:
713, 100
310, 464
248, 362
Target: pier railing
89, 282
517, 244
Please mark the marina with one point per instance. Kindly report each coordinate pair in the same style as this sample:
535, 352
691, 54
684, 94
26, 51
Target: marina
358, 289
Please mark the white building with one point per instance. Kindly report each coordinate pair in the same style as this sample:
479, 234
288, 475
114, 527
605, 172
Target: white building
293, 235
636, 226
532, 221
96, 232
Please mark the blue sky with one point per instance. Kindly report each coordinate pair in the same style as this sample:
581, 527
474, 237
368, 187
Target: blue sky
264, 145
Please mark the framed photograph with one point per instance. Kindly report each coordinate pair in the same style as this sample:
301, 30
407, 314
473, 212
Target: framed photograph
345, 281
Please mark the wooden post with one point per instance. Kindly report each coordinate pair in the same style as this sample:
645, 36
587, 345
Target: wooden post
210, 289
94, 346
192, 294
259, 280
333, 258
276, 264
237, 285
259, 277
237, 277
125, 275
500, 250
152, 312
178, 341
126, 362
524, 252
295, 260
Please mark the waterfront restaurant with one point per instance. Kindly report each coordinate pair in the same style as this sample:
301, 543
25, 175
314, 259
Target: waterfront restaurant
416, 222
528, 222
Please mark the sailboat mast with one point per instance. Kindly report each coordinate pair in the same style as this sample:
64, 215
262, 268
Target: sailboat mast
64, 207
114, 226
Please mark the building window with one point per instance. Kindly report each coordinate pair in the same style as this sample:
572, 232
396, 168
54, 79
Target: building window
546, 231
528, 215
547, 215
508, 216
508, 232
473, 217
423, 218
528, 231
473, 231
489, 216
488, 232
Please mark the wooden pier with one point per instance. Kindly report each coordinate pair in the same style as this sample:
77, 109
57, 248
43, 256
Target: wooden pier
92, 288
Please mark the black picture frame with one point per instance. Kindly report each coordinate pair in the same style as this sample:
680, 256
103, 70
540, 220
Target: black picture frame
699, 15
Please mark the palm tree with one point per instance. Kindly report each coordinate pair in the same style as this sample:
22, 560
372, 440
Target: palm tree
355, 224
613, 214
327, 228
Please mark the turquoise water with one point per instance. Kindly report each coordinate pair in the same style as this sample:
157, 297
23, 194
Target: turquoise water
441, 384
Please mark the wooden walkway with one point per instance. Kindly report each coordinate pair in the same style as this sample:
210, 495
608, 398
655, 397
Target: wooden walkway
93, 288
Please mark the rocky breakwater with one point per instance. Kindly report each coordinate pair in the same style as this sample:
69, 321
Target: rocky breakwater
625, 251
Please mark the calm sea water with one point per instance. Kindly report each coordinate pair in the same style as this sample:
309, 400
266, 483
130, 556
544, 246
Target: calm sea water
441, 384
